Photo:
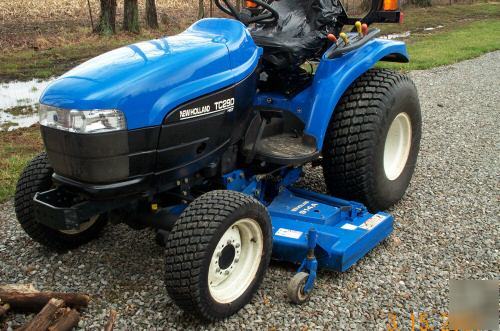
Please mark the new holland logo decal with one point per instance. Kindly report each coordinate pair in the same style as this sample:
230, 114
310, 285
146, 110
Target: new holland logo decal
216, 107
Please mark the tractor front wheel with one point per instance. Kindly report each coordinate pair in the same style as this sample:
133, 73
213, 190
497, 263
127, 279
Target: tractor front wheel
217, 254
373, 139
37, 177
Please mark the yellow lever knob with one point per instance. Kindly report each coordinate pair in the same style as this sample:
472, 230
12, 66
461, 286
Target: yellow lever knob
358, 26
344, 38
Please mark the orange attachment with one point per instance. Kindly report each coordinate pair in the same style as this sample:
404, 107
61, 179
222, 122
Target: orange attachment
390, 5
332, 38
364, 29
250, 4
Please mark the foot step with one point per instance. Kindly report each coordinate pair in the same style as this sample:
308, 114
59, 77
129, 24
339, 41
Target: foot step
286, 148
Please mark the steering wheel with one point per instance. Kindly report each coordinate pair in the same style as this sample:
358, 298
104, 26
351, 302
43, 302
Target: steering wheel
267, 15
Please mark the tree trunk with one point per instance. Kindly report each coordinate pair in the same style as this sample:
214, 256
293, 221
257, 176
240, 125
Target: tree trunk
107, 18
201, 9
151, 16
131, 16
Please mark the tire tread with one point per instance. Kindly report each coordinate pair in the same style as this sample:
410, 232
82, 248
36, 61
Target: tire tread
36, 177
350, 141
188, 242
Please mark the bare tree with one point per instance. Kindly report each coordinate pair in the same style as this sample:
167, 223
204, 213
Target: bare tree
151, 16
107, 18
131, 16
201, 9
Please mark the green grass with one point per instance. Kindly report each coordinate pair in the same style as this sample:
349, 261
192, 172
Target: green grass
16, 150
469, 41
450, 17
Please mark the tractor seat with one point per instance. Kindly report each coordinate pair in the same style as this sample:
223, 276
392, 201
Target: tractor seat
300, 32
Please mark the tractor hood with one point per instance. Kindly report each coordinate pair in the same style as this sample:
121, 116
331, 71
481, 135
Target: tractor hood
148, 79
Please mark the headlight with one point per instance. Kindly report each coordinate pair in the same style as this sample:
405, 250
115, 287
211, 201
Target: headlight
82, 121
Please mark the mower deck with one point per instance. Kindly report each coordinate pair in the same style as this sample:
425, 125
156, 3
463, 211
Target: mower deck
346, 231
313, 229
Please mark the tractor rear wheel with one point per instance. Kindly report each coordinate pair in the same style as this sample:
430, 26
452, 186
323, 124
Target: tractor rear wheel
217, 254
373, 139
37, 177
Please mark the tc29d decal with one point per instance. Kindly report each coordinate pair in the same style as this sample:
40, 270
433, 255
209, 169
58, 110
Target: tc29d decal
218, 102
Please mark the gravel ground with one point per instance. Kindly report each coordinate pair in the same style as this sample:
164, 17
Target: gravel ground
446, 228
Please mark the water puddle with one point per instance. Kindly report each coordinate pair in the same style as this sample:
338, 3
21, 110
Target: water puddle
19, 103
397, 35
431, 29
406, 34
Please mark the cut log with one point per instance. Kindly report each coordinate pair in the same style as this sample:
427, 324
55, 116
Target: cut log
67, 321
28, 288
4, 308
111, 321
31, 300
45, 317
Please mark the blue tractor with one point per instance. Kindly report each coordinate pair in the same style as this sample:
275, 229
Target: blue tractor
203, 136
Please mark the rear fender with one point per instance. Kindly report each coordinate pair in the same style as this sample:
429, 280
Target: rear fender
334, 76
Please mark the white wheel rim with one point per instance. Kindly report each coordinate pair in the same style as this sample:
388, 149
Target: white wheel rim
397, 146
83, 227
229, 275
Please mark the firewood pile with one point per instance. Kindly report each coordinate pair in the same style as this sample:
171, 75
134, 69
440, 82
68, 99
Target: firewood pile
55, 311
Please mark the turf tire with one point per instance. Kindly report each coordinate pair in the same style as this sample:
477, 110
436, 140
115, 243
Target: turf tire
37, 177
191, 244
353, 153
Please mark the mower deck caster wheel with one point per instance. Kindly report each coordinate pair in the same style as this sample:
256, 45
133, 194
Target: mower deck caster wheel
295, 290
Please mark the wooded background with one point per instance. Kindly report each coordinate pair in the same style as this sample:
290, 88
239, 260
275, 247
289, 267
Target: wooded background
174, 12
40, 24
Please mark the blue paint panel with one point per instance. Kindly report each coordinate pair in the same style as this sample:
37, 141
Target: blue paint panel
341, 241
304, 210
333, 77
341, 238
148, 79
315, 105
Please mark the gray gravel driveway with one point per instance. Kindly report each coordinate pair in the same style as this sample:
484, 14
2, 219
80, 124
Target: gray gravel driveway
447, 227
